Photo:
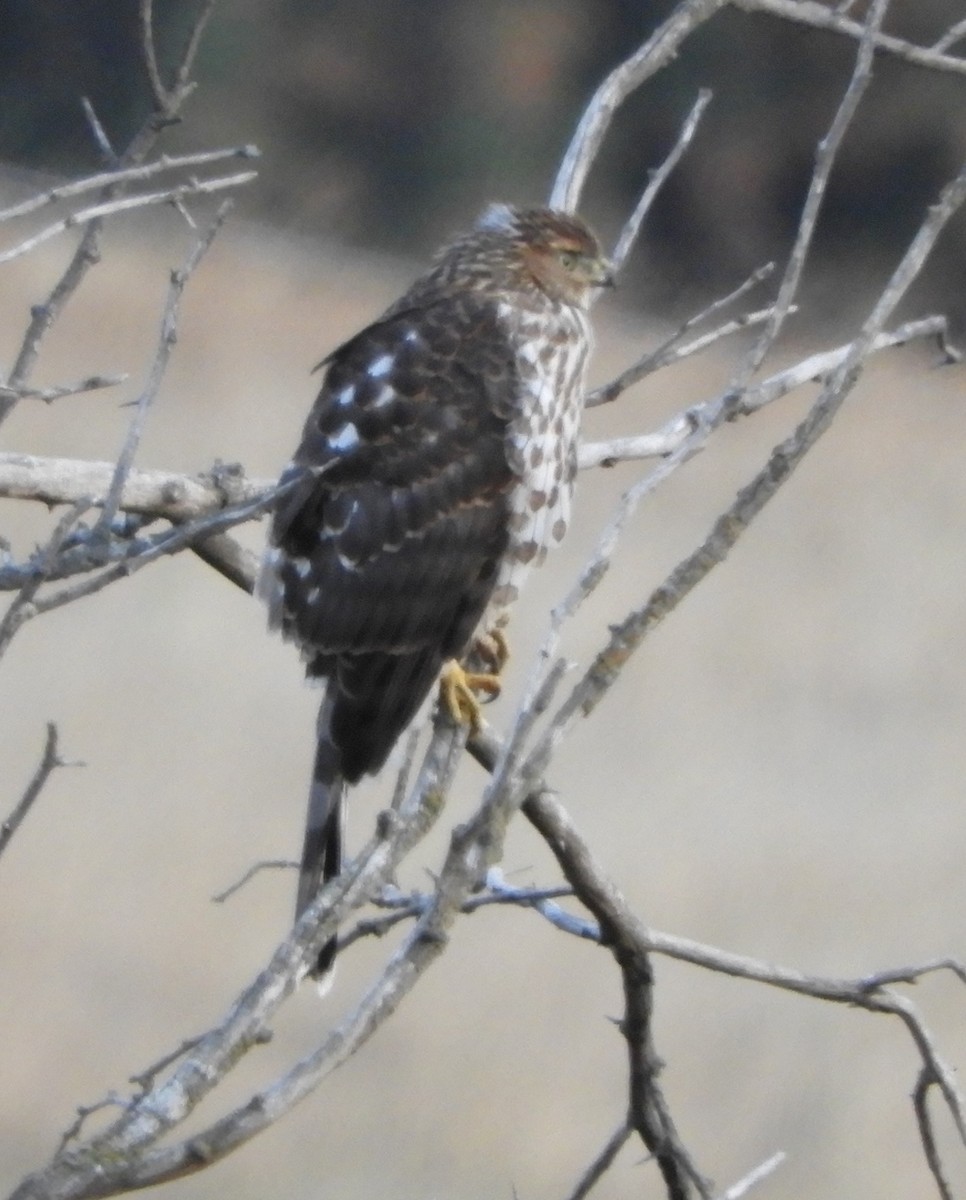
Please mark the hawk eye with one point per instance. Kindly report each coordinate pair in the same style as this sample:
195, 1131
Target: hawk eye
569, 259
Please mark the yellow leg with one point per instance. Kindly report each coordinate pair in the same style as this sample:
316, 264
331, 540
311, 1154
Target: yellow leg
458, 689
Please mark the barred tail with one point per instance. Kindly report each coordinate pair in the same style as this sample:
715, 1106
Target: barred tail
322, 848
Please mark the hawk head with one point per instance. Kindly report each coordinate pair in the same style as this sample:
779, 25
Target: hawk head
535, 248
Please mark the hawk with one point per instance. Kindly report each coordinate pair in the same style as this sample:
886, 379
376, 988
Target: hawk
435, 468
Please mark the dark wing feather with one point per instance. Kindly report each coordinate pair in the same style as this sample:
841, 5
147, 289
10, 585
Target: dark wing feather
391, 545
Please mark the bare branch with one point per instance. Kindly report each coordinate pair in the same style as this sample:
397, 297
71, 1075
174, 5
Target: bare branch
167, 100
703, 418
623, 929
828, 150
98, 132
153, 493
657, 180
627, 635
179, 497
125, 559
753, 1178
119, 1159
818, 16
111, 1100
24, 606
920, 1103
269, 864
44, 315
602, 1163
952, 35
656, 53
169, 335
161, 98
671, 350
96, 212
49, 761
91, 384
87, 252
123, 175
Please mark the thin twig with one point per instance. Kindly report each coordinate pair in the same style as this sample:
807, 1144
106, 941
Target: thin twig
24, 605
50, 760
99, 134
162, 100
92, 383
166, 341
131, 559
670, 350
43, 316
268, 864
703, 419
182, 83
952, 35
111, 1100
109, 208
87, 253
825, 158
658, 178
920, 1104
627, 635
818, 16
592, 128
602, 1163
122, 175
754, 1177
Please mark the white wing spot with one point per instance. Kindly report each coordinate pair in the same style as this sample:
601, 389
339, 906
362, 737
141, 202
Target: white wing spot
348, 437
380, 366
386, 396
313, 596
411, 336
346, 396
303, 568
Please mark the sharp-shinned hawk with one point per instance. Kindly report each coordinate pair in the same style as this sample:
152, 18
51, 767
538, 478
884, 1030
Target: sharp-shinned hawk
435, 468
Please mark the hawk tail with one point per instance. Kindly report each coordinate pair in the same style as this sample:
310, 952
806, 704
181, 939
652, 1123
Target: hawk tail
322, 848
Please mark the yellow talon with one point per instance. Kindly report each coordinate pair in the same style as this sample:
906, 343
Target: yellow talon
458, 689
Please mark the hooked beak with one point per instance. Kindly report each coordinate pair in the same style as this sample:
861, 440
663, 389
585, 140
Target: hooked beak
605, 274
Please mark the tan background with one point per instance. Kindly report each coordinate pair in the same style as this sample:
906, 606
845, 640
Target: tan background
779, 772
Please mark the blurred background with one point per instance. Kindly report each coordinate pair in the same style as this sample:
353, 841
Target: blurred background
385, 122
778, 773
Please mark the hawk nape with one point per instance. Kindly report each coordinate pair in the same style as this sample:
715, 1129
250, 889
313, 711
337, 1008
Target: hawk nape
435, 468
